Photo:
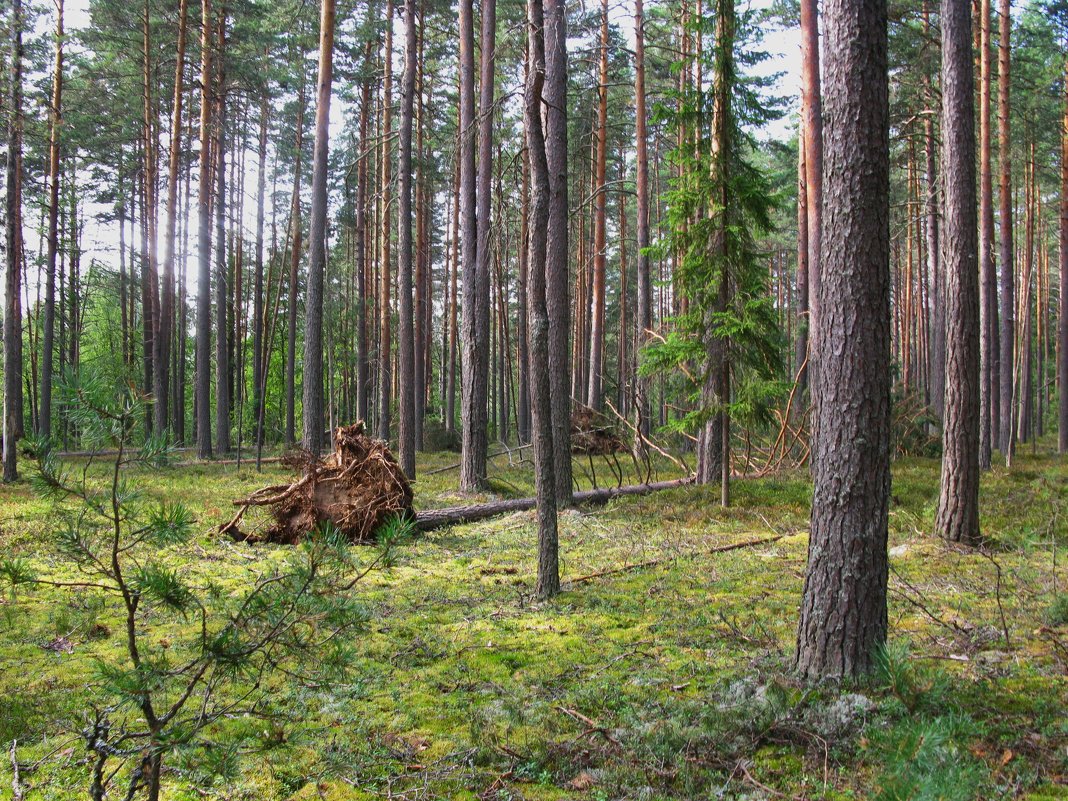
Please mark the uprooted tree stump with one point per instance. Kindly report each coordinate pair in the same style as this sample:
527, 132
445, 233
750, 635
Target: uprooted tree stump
594, 434
358, 488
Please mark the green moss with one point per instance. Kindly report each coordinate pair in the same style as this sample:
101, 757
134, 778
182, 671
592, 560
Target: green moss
464, 684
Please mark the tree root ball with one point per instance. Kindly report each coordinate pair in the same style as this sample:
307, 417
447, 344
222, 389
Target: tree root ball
358, 488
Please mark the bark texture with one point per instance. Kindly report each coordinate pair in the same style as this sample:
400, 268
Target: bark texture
557, 265
843, 611
548, 583
12, 422
406, 384
202, 391
957, 518
314, 422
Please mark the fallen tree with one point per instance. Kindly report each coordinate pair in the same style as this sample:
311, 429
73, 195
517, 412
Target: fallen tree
457, 515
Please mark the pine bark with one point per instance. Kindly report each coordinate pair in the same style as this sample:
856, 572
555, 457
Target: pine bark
600, 203
1062, 329
363, 389
259, 322
164, 332
843, 613
44, 418
406, 384
222, 272
13, 400
957, 518
474, 315
557, 256
548, 583
642, 384
812, 119
1006, 436
314, 424
987, 274
296, 243
385, 374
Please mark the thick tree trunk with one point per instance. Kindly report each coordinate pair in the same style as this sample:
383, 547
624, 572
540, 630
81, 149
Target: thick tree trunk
1006, 436
314, 424
44, 419
13, 414
548, 583
202, 393
406, 384
600, 202
557, 256
164, 331
474, 316
843, 611
958, 504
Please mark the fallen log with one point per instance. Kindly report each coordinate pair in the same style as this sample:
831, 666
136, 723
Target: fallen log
457, 515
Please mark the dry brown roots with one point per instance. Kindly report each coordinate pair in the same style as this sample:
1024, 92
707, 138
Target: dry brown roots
358, 488
594, 434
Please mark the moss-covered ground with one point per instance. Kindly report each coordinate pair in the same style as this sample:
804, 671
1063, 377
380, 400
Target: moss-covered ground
668, 681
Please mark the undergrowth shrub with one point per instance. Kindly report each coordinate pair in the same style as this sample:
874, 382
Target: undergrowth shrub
193, 679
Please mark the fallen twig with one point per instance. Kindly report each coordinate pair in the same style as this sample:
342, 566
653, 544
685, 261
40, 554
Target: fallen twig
652, 562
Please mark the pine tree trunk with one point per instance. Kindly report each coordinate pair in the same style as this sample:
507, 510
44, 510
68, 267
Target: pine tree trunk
385, 381
450, 389
202, 399
843, 611
13, 412
222, 278
363, 388
548, 583
1006, 435
812, 119
987, 273
44, 418
294, 271
406, 385
259, 322
934, 263
597, 329
644, 321
475, 299
313, 307
958, 504
557, 275
164, 332
1062, 329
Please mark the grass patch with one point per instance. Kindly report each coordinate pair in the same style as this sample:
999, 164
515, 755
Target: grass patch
668, 682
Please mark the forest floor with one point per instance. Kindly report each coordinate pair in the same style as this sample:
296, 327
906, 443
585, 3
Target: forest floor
665, 681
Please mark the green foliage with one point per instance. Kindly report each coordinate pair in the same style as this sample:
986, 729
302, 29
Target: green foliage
1057, 614
926, 759
719, 206
161, 696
